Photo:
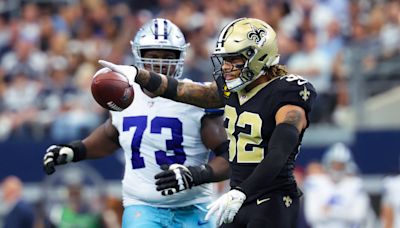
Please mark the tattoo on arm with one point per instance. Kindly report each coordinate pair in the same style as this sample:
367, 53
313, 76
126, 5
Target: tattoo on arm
143, 77
201, 95
205, 96
293, 117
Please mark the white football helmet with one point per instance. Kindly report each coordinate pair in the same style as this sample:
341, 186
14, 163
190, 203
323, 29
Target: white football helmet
252, 39
160, 34
339, 153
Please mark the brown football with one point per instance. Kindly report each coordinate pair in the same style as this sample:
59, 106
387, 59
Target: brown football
112, 90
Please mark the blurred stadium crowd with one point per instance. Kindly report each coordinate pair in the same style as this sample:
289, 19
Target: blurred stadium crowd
49, 52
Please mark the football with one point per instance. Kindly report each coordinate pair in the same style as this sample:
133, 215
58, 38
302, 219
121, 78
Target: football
111, 90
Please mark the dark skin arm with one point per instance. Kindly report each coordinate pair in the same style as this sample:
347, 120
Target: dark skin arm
213, 134
102, 142
201, 95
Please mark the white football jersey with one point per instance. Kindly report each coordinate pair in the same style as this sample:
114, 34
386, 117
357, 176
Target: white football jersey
391, 197
335, 205
156, 131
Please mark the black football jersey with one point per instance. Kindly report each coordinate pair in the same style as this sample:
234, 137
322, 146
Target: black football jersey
250, 121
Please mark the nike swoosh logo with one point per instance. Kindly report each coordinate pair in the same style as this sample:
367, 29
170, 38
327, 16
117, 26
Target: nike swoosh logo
262, 201
202, 222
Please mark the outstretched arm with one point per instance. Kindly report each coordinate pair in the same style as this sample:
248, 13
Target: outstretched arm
201, 95
100, 143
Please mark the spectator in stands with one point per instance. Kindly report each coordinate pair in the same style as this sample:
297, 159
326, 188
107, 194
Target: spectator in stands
332, 39
390, 33
314, 65
19, 100
76, 212
74, 198
24, 52
390, 203
81, 114
336, 197
198, 67
20, 213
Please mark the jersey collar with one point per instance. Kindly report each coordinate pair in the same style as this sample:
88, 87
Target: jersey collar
244, 96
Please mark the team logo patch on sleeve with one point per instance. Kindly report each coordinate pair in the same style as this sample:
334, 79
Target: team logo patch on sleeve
305, 94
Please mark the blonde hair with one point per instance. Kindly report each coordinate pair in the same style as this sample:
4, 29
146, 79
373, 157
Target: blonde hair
276, 71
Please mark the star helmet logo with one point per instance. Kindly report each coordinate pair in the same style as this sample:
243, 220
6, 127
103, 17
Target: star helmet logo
256, 34
305, 94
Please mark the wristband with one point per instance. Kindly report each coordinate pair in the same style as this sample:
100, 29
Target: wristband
201, 174
79, 150
154, 82
239, 189
172, 88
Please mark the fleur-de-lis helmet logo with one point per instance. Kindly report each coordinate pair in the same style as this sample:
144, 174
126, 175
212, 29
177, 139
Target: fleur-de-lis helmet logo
256, 34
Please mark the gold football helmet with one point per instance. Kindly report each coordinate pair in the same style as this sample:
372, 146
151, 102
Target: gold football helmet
252, 39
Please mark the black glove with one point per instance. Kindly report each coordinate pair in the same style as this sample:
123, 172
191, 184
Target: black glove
176, 177
63, 154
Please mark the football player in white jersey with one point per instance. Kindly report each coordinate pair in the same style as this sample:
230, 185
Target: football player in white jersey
167, 144
336, 198
390, 204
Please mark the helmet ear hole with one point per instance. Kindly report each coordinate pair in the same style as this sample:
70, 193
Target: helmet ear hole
247, 73
249, 53
262, 58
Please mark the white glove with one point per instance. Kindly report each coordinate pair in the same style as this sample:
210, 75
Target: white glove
226, 207
57, 155
127, 71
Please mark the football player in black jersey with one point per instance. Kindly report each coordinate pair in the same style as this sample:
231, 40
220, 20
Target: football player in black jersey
266, 115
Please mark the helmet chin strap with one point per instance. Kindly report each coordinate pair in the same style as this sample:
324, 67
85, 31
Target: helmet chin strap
238, 84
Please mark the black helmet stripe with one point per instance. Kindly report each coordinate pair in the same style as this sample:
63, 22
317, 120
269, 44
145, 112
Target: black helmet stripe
155, 29
165, 29
160, 28
221, 38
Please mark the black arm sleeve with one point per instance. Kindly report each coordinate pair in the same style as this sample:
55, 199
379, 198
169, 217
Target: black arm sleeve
283, 141
216, 170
